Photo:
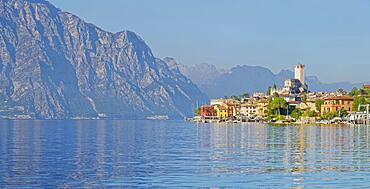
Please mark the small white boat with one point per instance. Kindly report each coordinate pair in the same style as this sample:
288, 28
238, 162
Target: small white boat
158, 117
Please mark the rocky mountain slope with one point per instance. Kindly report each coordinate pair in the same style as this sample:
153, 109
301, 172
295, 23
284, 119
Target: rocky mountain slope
54, 65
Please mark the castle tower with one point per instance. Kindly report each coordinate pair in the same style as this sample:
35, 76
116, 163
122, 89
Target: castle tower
299, 73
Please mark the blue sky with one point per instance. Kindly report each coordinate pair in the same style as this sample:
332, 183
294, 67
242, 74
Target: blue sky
332, 37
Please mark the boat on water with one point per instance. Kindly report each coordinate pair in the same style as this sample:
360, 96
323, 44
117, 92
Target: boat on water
158, 117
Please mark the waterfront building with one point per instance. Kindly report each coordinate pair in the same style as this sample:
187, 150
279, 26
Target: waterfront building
222, 111
235, 109
333, 104
248, 109
207, 112
262, 107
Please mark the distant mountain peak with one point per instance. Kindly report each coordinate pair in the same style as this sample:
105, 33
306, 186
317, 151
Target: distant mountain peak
246, 78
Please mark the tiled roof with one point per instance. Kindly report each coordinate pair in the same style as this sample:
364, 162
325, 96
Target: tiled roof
339, 98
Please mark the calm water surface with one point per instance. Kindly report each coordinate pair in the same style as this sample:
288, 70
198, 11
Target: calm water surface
80, 154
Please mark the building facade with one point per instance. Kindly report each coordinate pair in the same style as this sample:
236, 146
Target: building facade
333, 104
207, 112
308, 105
248, 110
221, 111
262, 108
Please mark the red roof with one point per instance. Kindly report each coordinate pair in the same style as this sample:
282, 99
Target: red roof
294, 102
339, 98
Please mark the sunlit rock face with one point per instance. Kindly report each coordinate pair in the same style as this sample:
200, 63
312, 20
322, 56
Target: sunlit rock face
54, 65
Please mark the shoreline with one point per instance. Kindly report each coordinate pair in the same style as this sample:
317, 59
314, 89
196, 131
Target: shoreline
282, 123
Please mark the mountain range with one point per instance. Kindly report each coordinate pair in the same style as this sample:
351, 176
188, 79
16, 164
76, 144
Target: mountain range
54, 65
218, 83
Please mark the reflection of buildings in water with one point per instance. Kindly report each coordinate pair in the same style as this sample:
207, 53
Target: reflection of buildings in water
294, 148
327, 152
360, 147
237, 145
295, 156
243, 136
299, 149
202, 135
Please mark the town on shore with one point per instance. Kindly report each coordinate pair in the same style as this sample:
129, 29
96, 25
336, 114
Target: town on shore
293, 103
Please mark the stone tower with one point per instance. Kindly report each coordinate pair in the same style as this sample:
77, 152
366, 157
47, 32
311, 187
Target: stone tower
299, 73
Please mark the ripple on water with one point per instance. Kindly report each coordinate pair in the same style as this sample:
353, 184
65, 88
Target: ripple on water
70, 154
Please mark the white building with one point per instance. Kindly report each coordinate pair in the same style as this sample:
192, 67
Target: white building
248, 110
299, 73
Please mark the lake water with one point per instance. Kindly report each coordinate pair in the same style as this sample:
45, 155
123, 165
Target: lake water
107, 153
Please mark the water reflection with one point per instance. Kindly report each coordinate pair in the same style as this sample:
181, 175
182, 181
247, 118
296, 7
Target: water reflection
292, 150
296, 148
159, 154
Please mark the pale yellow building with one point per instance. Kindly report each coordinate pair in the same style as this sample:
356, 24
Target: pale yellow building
221, 111
308, 105
262, 107
248, 109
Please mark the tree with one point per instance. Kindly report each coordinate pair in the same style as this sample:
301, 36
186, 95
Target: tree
354, 92
309, 113
269, 90
341, 91
196, 111
234, 97
276, 105
318, 104
276, 95
296, 113
328, 116
245, 95
363, 92
304, 98
342, 112
357, 100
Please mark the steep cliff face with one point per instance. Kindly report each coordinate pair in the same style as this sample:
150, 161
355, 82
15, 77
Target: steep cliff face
55, 65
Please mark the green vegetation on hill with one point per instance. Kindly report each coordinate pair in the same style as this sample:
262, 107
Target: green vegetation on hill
360, 97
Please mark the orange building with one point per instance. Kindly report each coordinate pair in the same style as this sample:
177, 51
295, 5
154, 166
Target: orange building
366, 86
207, 111
333, 104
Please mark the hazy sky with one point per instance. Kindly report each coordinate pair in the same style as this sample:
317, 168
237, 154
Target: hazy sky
332, 37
